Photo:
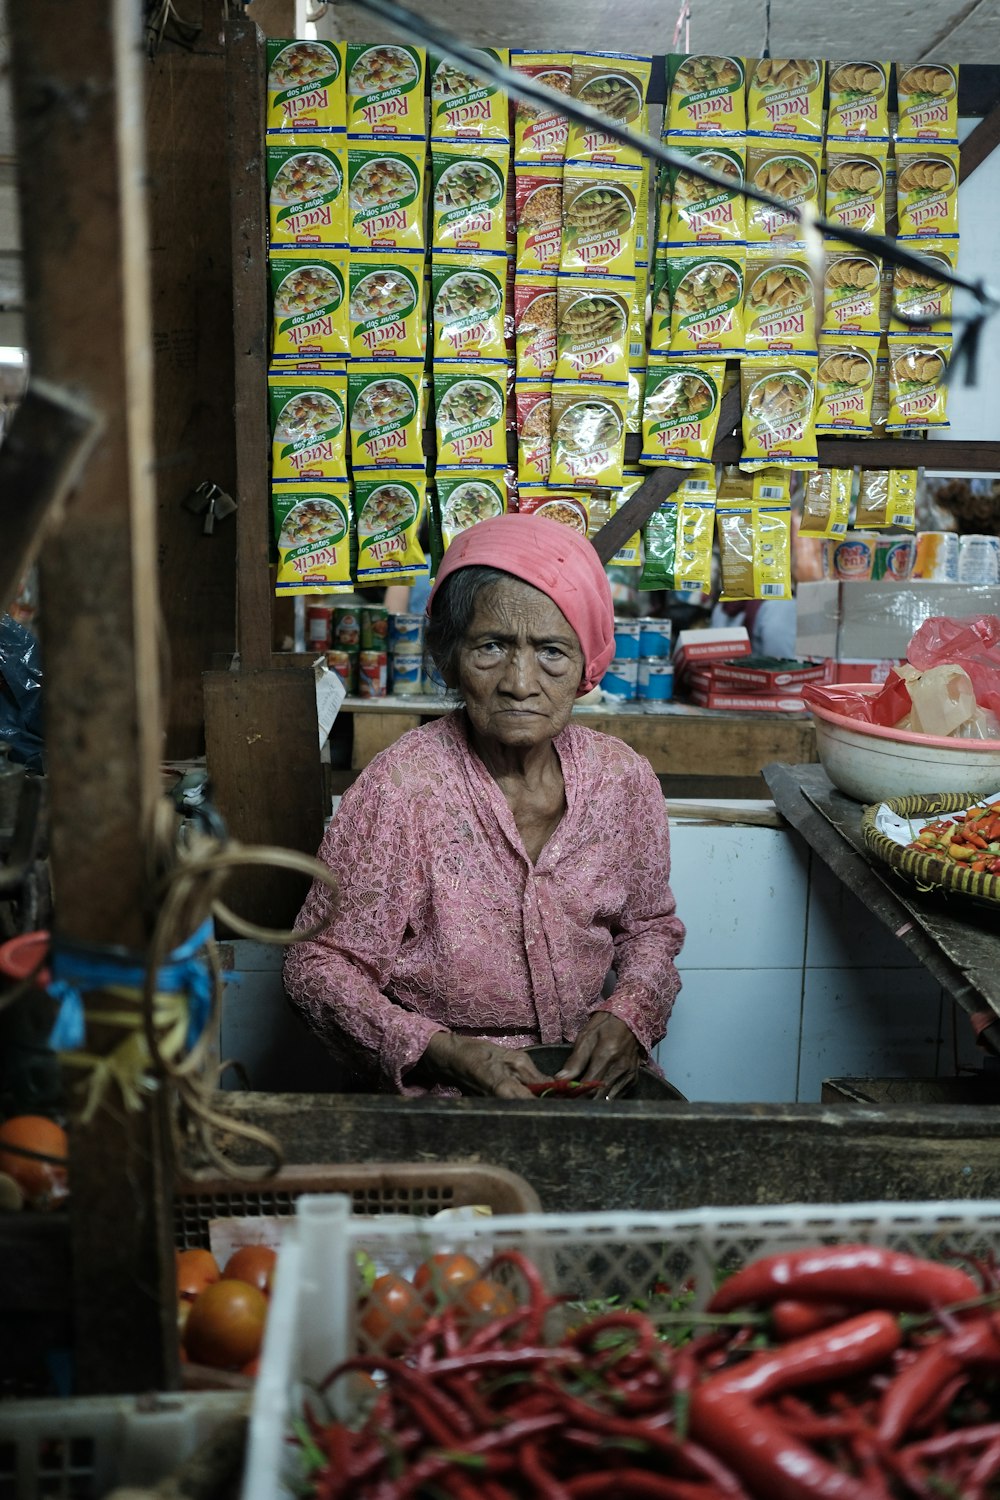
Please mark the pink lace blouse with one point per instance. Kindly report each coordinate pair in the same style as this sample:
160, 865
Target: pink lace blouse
443, 922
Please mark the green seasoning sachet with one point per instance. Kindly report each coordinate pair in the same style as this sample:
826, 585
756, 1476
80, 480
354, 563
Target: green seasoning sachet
384, 402
308, 425
386, 305
470, 401
385, 89
309, 299
389, 508
312, 527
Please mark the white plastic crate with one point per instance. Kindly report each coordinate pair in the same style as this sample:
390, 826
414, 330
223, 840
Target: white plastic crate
82, 1447
312, 1322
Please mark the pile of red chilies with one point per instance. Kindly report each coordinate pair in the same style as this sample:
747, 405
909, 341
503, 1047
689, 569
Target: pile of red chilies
853, 1399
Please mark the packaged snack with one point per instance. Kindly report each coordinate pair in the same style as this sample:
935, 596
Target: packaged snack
921, 302
467, 496
699, 211
706, 299
779, 311
779, 395
533, 402
309, 302
588, 434
705, 94
785, 96
734, 485
855, 184
470, 402
826, 502
642, 224
885, 297
308, 425
383, 400
918, 396
469, 203
770, 484
786, 169
386, 312
928, 102
306, 191
385, 89
386, 194
464, 107
637, 315
312, 528
887, 497
535, 303
859, 99
680, 413
927, 189
851, 290
540, 133
659, 322
599, 210
305, 86
616, 83
662, 200
677, 538
880, 395
469, 303
538, 209
846, 382
388, 509
755, 550
554, 504
593, 328
629, 554
636, 395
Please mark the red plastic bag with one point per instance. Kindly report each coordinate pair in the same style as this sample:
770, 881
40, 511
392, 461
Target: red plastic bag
973, 645
857, 702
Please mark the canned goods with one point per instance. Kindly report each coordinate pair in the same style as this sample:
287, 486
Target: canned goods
372, 674
319, 620
894, 557
345, 664
346, 631
654, 638
979, 559
406, 675
621, 680
852, 558
374, 627
656, 680
627, 634
406, 634
936, 560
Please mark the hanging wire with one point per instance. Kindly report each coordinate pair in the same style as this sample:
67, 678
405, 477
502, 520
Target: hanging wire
765, 50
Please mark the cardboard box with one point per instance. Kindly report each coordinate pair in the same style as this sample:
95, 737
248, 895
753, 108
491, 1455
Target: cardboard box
767, 703
878, 620
817, 615
863, 671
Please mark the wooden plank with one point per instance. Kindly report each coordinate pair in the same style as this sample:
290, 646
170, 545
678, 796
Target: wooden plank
979, 144
373, 733
889, 453
87, 294
11, 281
715, 745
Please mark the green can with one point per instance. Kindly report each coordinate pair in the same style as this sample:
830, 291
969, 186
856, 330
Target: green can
374, 627
345, 630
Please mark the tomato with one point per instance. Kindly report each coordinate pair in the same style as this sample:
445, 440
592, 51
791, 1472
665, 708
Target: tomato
440, 1278
481, 1301
391, 1315
252, 1263
42, 1183
226, 1325
196, 1269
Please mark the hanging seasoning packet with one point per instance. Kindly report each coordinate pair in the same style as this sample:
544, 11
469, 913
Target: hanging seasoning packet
538, 211
629, 554
636, 394
785, 96
469, 203
593, 328
706, 299
755, 550
540, 133
886, 497
599, 211
386, 194
701, 212
464, 106
588, 434
659, 323
385, 305
305, 86
469, 304
309, 304
705, 94
616, 84
918, 396
826, 502
789, 170
677, 539
637, 316
307, 198
533, 403
859, 100
312, 528
388, 510
855, 184
921, 301
467, 496
383, 400
927, 189
846, 383
851, 290
555, 505
308, 425
779, 393
385, 89
927, 96
535, 304
470, 403
680, 413
779, 311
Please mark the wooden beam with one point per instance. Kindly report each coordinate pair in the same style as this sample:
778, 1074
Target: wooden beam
889, 453
980, 143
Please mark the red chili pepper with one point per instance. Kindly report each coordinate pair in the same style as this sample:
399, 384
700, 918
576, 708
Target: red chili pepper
794, 1320
622, 1484
539, 1301
974, 1345
860, 1275
563, 1088
529, 1461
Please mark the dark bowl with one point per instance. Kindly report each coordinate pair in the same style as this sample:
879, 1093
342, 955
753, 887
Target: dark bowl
648, 1085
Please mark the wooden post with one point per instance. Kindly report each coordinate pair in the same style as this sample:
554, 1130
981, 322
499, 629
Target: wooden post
79, 104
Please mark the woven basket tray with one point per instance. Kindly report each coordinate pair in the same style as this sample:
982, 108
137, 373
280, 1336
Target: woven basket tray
927, 871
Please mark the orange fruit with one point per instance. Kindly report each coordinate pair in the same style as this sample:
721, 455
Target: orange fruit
225, 1326
252, 1263
42, 1183
196, 1269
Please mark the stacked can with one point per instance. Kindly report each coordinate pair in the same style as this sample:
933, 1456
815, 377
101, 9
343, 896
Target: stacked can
345, 643
979, 559
319, 624
621, 680
406, 650
345, 664
373, 660
656, 670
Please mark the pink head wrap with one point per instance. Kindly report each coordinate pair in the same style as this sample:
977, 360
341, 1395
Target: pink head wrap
557, 561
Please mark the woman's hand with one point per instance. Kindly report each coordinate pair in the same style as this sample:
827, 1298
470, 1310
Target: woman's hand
607, 1049
478, 1067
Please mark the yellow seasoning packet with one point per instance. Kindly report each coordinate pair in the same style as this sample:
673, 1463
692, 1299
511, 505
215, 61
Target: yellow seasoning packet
927, 189
855, 184
470, 405
846, 382
636, 385
779, 396
388, 509
659, 323
771, 485
755, 550
880, 396
826, 502
312, 530
851, 283
706, 299
306, 191
700, 212
309, 304
902, 507
386, 312
540, 133
662, 201
705, 94
921, 301
616, 84
385, 89
535, 306
629, 554
789, 170
588, 434
554, 504
383, 399
305, 85
467, 107
469, 202
642, 225
599, 215
593, 328
779, 310
308, 425
918, 396
533, 406
859, 99
465, 496
785, 96
680, 412
386, 194
927, 101
469, 304
637, 315
887, 497
538, 211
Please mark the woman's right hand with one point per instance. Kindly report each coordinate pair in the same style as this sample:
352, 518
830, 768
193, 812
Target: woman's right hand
479, 1067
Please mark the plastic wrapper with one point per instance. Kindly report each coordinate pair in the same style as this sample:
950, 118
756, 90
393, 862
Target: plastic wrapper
851, 285
588, 434
386, 194
538, 217
389, 508
705, 94
615, 83
467, 496
306, 190
973, 645
309, 304
927, 102
779, 309
469, 197
533, 400
826, 503
680, 414
637, 315
470, 400
698, 211
659, 321
887, 497
846, 382
785, 96
755, 550
464, 107
921, 302
926, 189
469, 300
779, 397
636, 394
540, 133
535, 307
677, 540
859, 99
385, 89
918, 396
305, 85
706, 300
599, 220
21, 727
308, 425
312, 529
387, 305
565, 506
855, 184
629, 554
383, 399
786, 169
592, 336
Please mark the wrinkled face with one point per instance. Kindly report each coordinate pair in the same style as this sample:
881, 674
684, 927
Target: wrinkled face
519, 666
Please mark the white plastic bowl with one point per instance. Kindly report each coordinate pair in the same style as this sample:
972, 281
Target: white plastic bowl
872, 764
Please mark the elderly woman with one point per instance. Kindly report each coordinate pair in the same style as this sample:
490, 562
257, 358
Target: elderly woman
497, 864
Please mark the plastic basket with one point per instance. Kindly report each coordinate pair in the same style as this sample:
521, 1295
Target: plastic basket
312, 1324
